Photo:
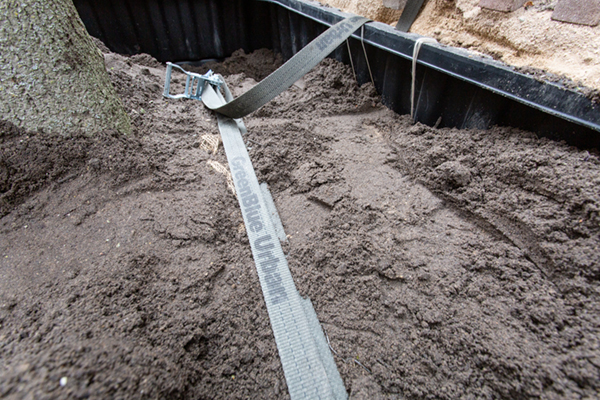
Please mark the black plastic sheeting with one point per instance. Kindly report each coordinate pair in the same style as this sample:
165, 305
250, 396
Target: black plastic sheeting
455, 88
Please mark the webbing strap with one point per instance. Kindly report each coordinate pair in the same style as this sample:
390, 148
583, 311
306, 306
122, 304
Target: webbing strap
285, 76
409, 14
309, 369
307, 362
420, 42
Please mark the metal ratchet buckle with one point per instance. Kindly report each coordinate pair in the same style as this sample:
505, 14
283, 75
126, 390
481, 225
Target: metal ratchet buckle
194, 83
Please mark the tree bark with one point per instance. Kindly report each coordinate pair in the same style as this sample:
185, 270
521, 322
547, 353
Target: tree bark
52, 75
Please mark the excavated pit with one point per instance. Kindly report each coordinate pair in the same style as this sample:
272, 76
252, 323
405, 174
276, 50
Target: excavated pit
442, 263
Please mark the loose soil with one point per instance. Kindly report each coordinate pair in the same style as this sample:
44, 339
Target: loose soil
441, 263
527, 38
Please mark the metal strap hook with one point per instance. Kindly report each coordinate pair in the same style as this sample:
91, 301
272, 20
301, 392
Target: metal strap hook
194, 83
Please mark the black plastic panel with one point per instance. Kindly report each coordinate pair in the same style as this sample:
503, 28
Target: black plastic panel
455, 87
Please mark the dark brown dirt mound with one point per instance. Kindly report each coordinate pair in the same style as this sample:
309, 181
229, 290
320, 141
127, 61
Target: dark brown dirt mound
32, 160
469, 283
328, 89
441, 263
538, 192
256, 65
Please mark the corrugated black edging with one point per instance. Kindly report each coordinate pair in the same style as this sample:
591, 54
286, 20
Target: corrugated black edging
176, 30
454, 87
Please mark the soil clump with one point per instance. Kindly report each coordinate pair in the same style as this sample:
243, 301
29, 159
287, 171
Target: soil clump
441, 263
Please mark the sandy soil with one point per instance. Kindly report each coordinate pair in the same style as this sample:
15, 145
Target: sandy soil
442, 263
527, 38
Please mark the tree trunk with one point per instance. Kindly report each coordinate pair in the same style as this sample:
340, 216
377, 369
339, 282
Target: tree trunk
52, 76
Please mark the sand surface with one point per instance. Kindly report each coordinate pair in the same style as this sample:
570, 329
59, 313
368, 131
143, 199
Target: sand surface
527, 38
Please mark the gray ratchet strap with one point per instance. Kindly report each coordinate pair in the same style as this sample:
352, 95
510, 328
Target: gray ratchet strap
285, 76
308, 365
409, 15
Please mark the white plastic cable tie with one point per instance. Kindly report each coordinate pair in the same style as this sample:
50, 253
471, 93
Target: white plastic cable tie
418, 43
362, 40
